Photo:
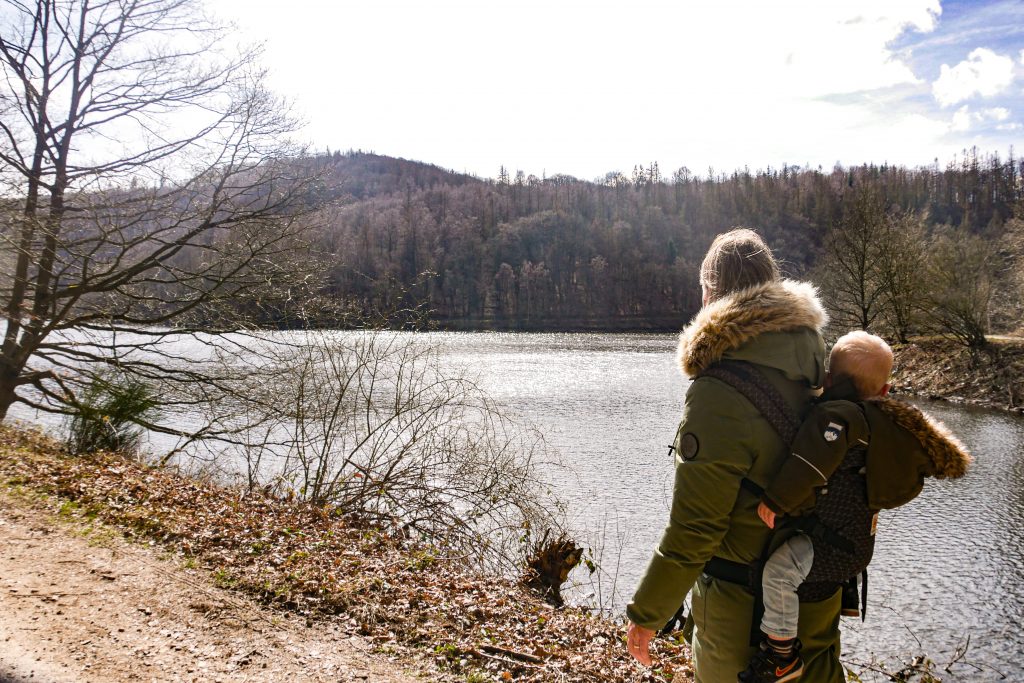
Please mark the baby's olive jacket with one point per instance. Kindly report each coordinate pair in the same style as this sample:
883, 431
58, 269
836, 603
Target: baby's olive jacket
903, 447
722, 438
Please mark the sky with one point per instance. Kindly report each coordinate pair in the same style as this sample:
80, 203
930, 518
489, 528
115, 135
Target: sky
590, 87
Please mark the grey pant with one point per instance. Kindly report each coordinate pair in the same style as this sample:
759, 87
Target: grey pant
784, 571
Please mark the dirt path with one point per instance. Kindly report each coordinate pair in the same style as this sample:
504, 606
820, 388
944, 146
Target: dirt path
77, 607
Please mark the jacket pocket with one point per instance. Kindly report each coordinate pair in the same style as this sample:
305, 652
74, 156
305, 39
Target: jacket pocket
699, 600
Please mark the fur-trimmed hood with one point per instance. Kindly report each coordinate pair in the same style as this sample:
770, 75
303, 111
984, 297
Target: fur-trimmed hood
948, 457
906, 447
730, 322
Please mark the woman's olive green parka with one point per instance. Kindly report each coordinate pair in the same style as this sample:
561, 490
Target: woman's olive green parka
722, 439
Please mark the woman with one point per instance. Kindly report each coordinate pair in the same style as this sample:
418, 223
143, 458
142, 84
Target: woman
750, 314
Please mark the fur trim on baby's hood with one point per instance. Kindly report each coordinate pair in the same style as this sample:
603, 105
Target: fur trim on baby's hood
736, 318
948, 456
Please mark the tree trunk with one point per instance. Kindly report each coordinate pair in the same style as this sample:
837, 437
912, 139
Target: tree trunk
8, 382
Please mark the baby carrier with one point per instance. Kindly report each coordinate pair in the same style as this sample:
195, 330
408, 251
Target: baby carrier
906, 447
841, 525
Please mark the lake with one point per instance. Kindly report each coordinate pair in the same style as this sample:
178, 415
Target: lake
948, 566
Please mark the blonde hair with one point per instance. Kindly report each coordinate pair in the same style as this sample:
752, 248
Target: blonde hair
863, 358
736, 260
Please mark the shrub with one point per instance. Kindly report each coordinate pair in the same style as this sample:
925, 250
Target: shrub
376, 426
106, 416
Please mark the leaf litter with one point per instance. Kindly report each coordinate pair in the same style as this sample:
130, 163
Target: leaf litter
316, 561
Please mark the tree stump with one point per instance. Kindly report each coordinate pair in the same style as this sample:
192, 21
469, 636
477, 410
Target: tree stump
548, 567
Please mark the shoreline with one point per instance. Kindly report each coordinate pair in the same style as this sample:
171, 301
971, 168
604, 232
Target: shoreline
942, 370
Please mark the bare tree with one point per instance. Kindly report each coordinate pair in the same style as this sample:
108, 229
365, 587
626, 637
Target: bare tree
1008, 315
850, 271
147, 179
901, 267
961, 275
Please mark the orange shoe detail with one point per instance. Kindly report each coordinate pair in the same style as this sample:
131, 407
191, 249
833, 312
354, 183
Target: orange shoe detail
781, 671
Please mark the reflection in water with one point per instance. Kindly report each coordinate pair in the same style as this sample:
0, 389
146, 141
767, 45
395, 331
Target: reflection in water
948, 565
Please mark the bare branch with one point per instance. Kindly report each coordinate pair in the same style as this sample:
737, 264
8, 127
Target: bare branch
159, 188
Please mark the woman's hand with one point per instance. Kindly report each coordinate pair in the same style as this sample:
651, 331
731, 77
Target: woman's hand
766, 514
638, 640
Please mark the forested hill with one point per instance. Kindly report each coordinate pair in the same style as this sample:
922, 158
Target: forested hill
361, 175
522, 252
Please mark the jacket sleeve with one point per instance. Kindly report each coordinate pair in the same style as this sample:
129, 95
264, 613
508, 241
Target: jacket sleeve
712, 456
828, 431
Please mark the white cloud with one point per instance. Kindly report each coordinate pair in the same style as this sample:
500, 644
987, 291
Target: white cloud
843, 48
1022, 56
961, 119
964, 119
983, 73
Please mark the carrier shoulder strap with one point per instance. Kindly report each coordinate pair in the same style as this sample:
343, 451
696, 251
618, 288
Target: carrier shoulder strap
754, 386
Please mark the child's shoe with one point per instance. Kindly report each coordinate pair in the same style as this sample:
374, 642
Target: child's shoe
766, 666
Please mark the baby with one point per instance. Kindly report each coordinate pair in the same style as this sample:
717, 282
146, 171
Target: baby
859, 368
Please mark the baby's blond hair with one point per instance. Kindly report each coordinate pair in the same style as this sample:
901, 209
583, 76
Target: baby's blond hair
863, 358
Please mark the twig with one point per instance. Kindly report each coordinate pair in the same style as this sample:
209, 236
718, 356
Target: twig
521, 656
958, 656
873, 666
961, 650
914, 636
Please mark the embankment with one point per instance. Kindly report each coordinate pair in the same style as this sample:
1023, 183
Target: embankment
940, 369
